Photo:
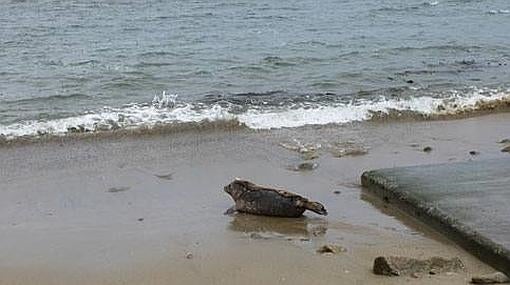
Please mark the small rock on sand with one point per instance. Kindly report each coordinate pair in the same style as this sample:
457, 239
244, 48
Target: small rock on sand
188, 255
492, 278
474, 152
406, 266
337, 192
306, 166
427, 149
331, 249
117, 189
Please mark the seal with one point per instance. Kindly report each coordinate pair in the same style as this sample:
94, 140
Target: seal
259, 200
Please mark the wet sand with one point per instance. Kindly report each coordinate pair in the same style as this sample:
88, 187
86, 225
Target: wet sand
128, 210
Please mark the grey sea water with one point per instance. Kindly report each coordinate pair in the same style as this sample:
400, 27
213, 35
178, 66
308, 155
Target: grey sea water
63, 62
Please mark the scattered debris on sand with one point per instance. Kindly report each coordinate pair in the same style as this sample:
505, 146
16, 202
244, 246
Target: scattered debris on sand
310, 155
305, 166
308, 151
260, 200
348, 149
300, 147
117, 189
331, 249
492, 278
407, 266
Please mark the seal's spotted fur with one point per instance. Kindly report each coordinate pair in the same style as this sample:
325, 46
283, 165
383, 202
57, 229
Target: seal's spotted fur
259, 200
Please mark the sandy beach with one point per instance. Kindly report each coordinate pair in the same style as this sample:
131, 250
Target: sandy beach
148, 209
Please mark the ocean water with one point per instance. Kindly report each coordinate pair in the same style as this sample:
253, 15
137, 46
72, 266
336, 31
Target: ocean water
82, 65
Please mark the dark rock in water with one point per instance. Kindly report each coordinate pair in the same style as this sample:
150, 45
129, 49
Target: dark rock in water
474, 152
337, 192
140, 219
306, 166
410, 81
427, 149
492, 278
331, 248
504, 141
506, 149
258, 200
405, 266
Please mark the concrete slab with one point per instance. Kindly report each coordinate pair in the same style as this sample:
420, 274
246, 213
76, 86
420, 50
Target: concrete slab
468, 202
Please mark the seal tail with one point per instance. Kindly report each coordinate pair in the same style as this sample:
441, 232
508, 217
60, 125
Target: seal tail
316, 207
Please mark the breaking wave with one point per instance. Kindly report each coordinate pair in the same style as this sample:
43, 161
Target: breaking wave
166, 110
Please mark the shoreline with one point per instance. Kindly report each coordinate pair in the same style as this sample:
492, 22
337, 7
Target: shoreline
62, 223
227, 121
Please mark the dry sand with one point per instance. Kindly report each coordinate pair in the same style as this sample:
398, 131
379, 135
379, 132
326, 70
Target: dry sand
130, 210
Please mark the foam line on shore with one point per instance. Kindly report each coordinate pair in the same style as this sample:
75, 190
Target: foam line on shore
167, 111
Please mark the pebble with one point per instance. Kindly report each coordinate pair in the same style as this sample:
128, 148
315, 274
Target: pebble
117, 189
331, 249
306, 166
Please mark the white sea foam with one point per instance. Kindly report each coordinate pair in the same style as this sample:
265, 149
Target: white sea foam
432, 3
166, 110
362, 111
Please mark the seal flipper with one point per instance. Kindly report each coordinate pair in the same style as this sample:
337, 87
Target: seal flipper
230, 211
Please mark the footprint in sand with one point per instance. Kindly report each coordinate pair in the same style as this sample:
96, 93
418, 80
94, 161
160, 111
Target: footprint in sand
117, 189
